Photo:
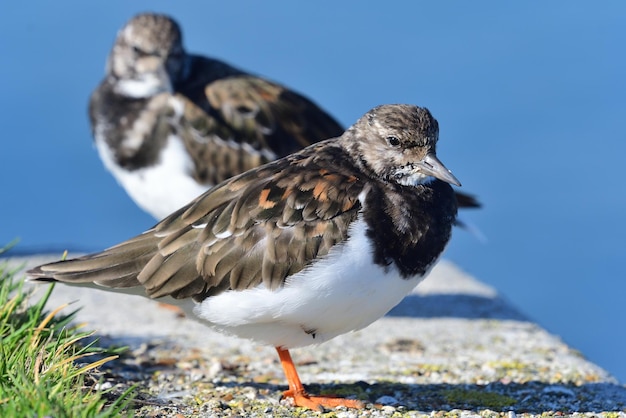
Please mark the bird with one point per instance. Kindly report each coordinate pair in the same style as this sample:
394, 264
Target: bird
169, 124
300, 250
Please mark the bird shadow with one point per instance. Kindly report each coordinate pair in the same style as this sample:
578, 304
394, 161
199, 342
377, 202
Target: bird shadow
533, 397
456, 306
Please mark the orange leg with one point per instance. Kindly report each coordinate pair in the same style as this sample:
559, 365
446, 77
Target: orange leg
177, 311
299, 395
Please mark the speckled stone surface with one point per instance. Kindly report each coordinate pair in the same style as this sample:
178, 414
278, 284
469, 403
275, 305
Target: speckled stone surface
453, 347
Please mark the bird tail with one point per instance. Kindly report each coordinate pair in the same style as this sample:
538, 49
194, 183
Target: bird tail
115, 267
466, 201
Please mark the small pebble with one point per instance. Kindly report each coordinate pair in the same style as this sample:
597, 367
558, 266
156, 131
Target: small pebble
388, 409
104, 386
215, 369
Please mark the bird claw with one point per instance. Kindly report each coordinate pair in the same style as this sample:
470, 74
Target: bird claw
320, 403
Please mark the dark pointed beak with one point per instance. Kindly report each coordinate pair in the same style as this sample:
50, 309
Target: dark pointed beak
431, 166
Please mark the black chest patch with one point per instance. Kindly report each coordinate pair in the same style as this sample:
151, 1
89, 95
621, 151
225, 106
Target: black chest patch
410, 226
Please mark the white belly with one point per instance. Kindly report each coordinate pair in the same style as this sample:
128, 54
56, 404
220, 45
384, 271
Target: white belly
343, 292
160, 189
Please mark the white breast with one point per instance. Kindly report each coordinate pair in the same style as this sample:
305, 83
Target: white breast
342, 292
162, 188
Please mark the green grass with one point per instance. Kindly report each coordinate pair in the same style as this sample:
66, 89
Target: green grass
44, 359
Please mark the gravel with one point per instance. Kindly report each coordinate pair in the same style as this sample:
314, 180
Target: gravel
453, 347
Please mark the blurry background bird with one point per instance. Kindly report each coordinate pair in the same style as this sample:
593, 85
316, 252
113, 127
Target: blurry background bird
169, 125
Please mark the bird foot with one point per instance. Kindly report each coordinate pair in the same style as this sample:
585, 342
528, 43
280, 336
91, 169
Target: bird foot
177, 311
319, 403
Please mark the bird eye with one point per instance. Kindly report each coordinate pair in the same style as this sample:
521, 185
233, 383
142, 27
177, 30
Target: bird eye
393, 141
138, 51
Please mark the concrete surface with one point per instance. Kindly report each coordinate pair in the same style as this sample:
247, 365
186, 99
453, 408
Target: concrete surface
453, 347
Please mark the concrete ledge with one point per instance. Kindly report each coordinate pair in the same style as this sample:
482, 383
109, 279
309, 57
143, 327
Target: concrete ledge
452, 347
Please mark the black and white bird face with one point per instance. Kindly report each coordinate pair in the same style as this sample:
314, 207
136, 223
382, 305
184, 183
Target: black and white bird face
148, 56
399, 145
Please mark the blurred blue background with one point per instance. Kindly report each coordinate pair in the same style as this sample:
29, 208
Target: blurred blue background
531, 101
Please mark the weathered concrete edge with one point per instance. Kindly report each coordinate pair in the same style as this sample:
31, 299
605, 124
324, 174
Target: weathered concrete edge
450, 309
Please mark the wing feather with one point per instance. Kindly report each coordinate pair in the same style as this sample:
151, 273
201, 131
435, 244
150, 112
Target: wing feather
259, 227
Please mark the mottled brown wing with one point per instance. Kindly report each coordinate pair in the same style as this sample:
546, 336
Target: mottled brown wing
268, 115
259, 227
211, 144
245, 121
